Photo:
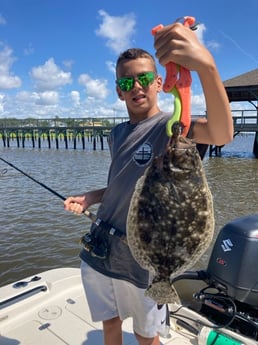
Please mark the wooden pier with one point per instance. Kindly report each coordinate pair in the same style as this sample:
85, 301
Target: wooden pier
242, 123
82, 132
73, 133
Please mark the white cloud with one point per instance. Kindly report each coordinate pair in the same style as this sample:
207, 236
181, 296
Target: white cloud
166, 103
27, 97
95, 88
39, 98
2, 20
7, 80
119, 109
49, 76
47, 98
212, 44
95, 97
68, 63
29, 50
2, 97
111, 67
75, 96
198, 106
117, 30
201, 28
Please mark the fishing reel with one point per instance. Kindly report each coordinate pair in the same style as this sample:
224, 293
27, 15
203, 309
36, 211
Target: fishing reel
96, 245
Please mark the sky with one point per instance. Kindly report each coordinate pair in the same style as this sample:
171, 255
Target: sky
57, 57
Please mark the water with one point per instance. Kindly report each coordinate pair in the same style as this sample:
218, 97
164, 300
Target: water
36, 234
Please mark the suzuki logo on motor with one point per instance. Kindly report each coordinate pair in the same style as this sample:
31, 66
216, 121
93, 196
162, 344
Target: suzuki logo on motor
226, 245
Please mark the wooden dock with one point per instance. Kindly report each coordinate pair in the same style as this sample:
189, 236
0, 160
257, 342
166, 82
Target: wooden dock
72, 133
83, 132
242, 124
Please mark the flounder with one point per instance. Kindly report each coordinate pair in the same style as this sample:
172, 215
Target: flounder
170, 222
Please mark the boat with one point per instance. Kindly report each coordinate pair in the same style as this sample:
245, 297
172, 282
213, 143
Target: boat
51, 307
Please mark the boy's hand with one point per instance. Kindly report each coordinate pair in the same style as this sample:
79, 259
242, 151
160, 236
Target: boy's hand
179, 44
76, 204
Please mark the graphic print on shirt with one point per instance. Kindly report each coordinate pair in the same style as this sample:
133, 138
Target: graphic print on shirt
143, 154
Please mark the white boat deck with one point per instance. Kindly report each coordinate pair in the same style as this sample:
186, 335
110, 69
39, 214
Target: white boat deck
54, 311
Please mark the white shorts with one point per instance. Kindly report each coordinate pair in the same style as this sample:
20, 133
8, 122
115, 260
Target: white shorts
109, 298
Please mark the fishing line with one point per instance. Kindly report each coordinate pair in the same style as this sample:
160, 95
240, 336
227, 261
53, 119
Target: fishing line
87, 213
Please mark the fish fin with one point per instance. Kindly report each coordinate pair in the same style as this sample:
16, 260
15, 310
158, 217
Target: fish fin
162, 292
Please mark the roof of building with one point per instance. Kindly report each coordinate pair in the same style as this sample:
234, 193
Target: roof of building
243, 87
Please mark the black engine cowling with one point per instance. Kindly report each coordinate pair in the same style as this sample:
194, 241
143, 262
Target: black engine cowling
233, 265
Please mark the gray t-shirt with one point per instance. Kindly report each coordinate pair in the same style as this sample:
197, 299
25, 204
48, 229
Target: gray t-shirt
132, 147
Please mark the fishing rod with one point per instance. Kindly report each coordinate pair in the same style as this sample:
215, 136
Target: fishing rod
98, 249
87, 213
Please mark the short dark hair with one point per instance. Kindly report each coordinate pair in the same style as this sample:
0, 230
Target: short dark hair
135, 53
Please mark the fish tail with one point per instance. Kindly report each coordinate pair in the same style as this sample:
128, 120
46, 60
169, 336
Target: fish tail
162, 292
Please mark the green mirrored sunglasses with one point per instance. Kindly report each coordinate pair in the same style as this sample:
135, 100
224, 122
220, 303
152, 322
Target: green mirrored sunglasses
144, 79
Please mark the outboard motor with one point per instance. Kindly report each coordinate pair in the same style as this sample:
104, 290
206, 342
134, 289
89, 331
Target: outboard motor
233, 265
230, 297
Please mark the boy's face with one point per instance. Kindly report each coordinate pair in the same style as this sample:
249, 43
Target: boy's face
141, 101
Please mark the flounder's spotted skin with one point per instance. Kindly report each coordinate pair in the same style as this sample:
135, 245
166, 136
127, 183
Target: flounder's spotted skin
170, 222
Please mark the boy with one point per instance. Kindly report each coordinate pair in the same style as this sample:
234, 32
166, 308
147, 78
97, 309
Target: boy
115, 285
